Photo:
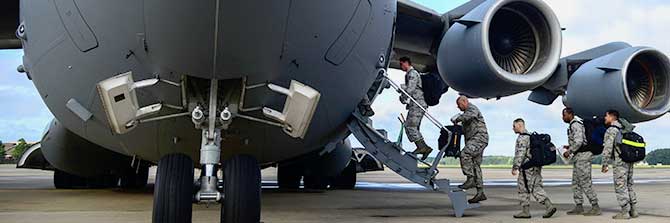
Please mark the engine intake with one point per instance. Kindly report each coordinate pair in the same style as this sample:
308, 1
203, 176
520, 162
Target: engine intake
501, 48
635, 81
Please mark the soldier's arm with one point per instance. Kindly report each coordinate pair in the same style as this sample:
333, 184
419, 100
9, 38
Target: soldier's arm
467, 115
578, 133
608, 145
522, 143
413, 79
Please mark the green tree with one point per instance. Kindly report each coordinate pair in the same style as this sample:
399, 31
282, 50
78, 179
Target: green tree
20, 148
2, 150
661, 156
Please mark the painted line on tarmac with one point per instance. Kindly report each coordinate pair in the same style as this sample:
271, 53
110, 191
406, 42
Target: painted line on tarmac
501, 183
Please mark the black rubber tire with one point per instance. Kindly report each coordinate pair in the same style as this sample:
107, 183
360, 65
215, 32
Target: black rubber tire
287, 178
135, 178
347, 179
242, 190
64, 180
99, 182
173, 191
316, 182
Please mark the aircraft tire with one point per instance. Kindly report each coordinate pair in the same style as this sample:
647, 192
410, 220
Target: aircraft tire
242, 190
287, 178
347, 179
64, 180
316, 182
173, 192
135, 178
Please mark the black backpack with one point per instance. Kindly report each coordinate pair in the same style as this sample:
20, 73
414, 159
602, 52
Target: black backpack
595, 135
453, 144
632, 148
542, 151
433, 87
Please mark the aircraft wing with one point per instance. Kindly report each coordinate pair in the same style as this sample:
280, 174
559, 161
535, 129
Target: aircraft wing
9, 21
418, 34
419, 31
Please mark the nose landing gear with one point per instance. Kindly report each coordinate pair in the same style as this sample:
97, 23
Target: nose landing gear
241, 191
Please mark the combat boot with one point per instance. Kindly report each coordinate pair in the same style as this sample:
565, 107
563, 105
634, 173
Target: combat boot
469, 183
480, 196
551, 210
623, 214
633, 211
525, 212
595, 210
579, 209
423, 149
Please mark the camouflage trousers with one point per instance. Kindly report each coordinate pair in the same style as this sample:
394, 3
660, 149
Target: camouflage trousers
531, 186
623, 184
413, 122
581, 178
471, 160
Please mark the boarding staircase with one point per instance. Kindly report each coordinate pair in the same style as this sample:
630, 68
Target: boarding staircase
407, 164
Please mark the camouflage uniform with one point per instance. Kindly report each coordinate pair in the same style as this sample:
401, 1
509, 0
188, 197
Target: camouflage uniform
581, 170
531, 185
623, 172
476, 140
414, 113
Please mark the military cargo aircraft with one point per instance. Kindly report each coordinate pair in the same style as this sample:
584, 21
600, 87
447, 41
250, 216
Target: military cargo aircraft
230, 87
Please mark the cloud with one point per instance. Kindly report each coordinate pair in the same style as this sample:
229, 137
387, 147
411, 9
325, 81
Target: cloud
22, 112
596, 22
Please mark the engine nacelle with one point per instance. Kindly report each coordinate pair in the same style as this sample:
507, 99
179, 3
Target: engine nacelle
501, 48
634, 81
73, 154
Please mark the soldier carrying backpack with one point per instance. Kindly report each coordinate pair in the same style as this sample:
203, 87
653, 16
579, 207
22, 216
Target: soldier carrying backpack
413, 87
580, 153
623, 170
528, 161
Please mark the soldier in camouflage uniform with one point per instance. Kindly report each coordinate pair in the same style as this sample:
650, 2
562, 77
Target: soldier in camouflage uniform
414, 113
623, 172
476, 140
529, 182
581, 170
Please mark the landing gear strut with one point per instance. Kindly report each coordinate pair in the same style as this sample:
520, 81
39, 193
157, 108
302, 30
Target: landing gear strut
210, 151
241, 181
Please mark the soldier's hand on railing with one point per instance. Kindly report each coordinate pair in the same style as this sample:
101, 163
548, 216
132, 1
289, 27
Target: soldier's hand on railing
515, 172
402, 86
403, 99
566, 154
454, 119
604, 169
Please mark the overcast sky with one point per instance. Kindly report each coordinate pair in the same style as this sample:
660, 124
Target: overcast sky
589, 23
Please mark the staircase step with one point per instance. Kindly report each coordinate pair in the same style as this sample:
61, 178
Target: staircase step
406, 164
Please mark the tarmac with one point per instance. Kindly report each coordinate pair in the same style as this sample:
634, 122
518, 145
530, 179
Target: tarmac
29, 196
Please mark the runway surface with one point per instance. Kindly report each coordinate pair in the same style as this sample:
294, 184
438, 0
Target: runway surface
29, 196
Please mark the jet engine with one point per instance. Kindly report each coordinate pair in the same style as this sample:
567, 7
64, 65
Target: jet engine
69, 152
634, 81
501, 48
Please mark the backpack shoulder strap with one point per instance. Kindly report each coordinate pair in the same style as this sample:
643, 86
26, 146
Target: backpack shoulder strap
578, 122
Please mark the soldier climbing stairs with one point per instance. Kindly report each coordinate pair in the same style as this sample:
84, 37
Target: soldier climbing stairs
407, 164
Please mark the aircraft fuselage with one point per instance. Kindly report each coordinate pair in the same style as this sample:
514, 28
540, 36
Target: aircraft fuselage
332, 46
